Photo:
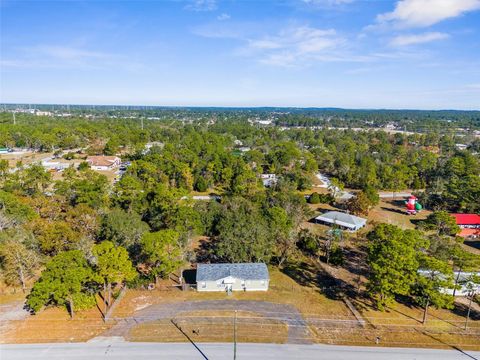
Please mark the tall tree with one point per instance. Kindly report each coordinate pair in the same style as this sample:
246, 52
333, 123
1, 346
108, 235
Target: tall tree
113, 265
393, 261
335, 187
463, 261
282, 233
359, 204
242, 233
436, 277
67, 280
18, 262
162, 252
442, 222
122, 228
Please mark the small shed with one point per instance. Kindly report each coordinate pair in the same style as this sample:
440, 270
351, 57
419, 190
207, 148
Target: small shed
232, 277
347, 221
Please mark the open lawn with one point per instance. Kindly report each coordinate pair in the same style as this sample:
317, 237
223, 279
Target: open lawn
26, 158
55, 325
211, 326
400, 325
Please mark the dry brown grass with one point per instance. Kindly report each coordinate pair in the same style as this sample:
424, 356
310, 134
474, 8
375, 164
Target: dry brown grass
11, 297
398, 337
55, 325
391, 212
25, 158
212, 326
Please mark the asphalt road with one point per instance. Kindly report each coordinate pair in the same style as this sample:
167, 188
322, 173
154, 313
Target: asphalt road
140, 351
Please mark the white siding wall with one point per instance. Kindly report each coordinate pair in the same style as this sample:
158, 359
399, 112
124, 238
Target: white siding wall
237, 285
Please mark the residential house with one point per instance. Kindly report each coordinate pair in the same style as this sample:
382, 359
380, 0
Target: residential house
268, 179
103, 162
469, 225
343, 220
232, 277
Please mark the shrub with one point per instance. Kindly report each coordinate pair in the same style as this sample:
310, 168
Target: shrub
314, 198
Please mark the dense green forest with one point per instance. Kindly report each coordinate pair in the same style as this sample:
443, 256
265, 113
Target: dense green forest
74, 226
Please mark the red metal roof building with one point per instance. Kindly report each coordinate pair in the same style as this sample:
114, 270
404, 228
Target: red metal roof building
469, 223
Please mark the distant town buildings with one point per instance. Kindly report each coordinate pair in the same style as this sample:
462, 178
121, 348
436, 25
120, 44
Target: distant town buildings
43, 113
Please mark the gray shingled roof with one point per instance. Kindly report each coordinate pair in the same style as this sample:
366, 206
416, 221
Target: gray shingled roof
341, 219
246, 271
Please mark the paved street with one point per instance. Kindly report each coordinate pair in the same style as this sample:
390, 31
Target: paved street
124, 350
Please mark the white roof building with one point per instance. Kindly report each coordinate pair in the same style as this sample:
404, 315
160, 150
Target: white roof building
232, 277
269, 179
348, 221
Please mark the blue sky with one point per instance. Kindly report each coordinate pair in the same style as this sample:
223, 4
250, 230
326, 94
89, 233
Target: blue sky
421, 54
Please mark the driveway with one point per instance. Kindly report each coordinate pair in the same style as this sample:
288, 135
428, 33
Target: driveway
11, 312
298, 332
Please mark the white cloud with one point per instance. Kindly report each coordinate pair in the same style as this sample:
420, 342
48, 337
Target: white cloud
406, 40
223, 17
327, 2
473, 86
67, 53
423, 13
294, 46
67, 57
201, 5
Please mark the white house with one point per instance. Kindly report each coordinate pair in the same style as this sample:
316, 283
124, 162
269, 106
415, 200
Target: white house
464, 280
347, 221
232, 277
268, 179
103, 162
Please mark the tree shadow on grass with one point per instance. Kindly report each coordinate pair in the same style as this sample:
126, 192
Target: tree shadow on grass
462, 309
188, 338
398, 211
473, 243
312, 276
355, 261
206, 251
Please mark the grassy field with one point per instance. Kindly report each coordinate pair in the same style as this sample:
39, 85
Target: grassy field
401, 325
55, 325
211, 326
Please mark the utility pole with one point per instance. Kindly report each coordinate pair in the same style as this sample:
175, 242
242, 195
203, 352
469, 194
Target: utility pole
472, 294
14, 120
141, 119
235, 336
